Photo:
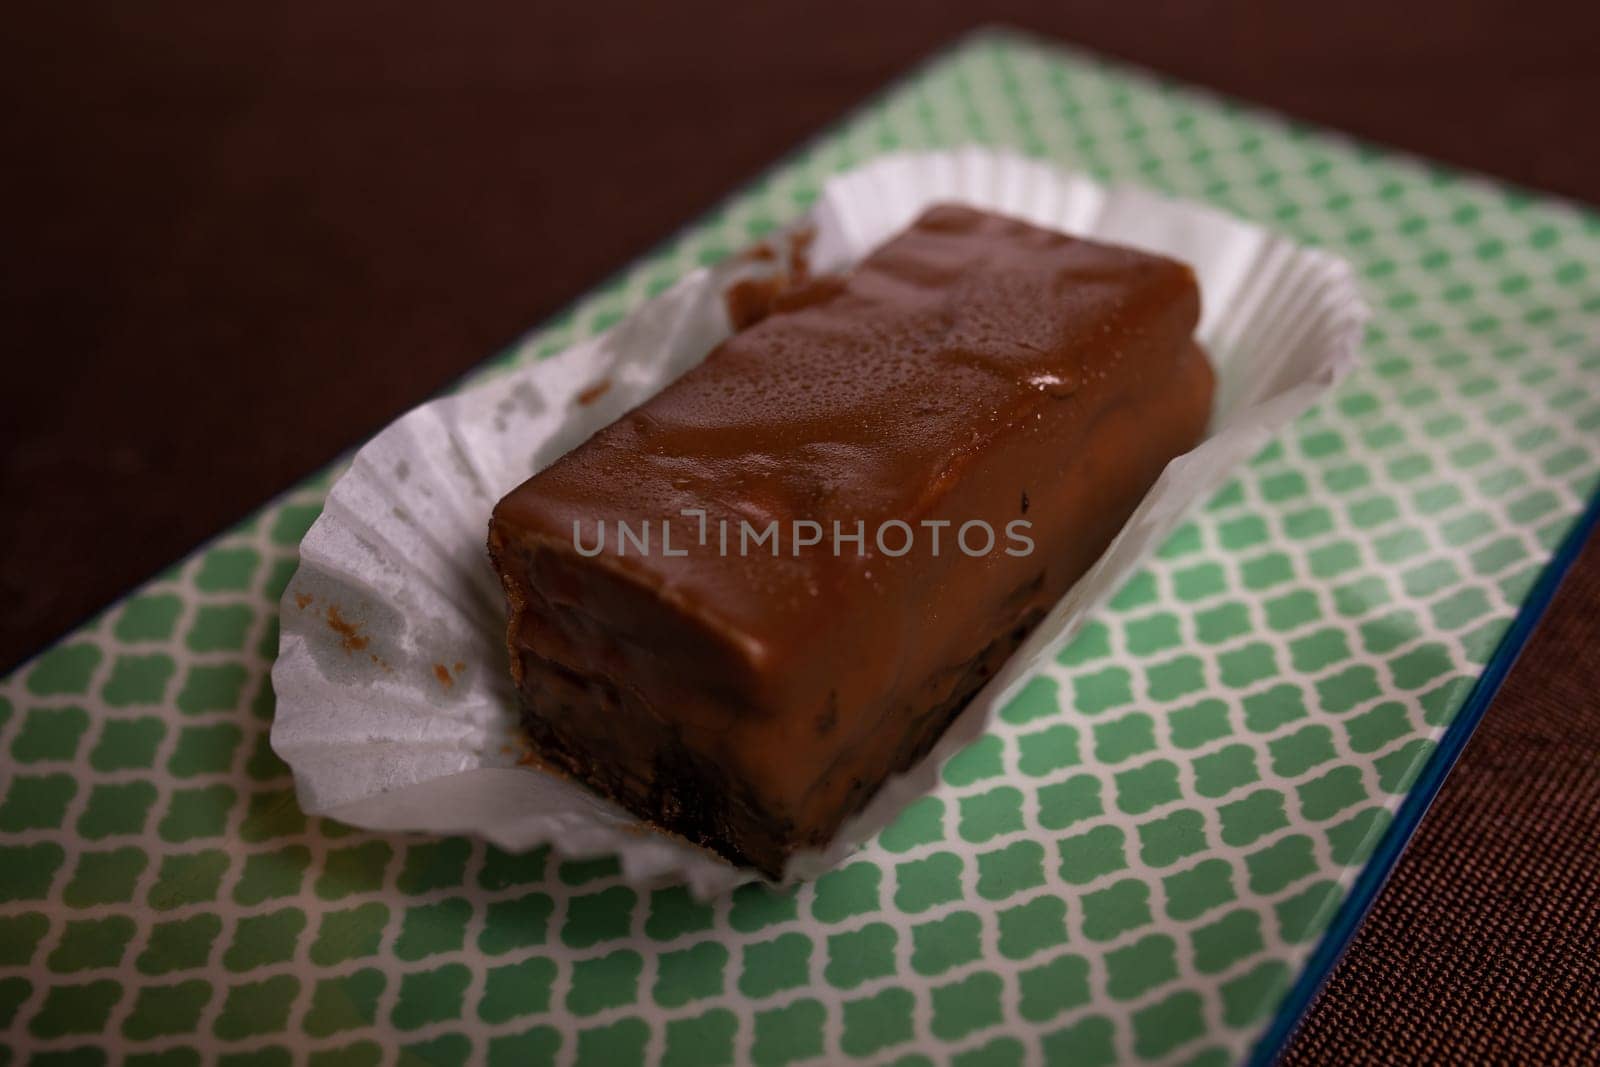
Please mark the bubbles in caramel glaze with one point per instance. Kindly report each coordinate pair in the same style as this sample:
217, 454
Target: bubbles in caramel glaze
859, 397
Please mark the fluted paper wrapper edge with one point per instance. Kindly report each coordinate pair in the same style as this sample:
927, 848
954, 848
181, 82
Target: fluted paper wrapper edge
395, 708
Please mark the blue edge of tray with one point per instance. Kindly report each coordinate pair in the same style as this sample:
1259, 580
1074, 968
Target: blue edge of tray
1381, 864
1375, 874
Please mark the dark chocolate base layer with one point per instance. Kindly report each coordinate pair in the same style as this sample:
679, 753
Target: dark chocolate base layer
688, 796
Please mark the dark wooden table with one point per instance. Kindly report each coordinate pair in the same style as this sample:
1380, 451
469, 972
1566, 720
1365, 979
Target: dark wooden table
210, 206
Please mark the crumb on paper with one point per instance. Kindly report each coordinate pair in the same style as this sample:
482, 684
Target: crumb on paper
800, 251
794, 248
593, 391
528, 756
350, 635
303, 600
441, 672
749, 300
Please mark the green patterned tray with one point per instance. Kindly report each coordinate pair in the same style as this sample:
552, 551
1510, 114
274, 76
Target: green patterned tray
1155, 855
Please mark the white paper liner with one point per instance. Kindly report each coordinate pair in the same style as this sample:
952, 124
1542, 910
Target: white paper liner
394, 706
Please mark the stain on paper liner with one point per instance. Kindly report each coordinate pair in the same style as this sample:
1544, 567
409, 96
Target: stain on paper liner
350, 635
592, 392
351, 639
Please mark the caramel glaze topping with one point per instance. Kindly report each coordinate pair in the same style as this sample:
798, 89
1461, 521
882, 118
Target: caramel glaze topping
974, 367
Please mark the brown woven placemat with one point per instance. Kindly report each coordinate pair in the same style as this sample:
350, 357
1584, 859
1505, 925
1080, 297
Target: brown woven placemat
1485, 945
152, 142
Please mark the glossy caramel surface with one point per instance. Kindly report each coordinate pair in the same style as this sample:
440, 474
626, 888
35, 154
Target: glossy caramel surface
973, 368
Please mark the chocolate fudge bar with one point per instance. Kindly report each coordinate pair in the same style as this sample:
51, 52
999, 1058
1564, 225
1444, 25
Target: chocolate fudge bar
750, 692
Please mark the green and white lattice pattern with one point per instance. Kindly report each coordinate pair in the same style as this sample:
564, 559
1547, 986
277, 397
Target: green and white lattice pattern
1135, 864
